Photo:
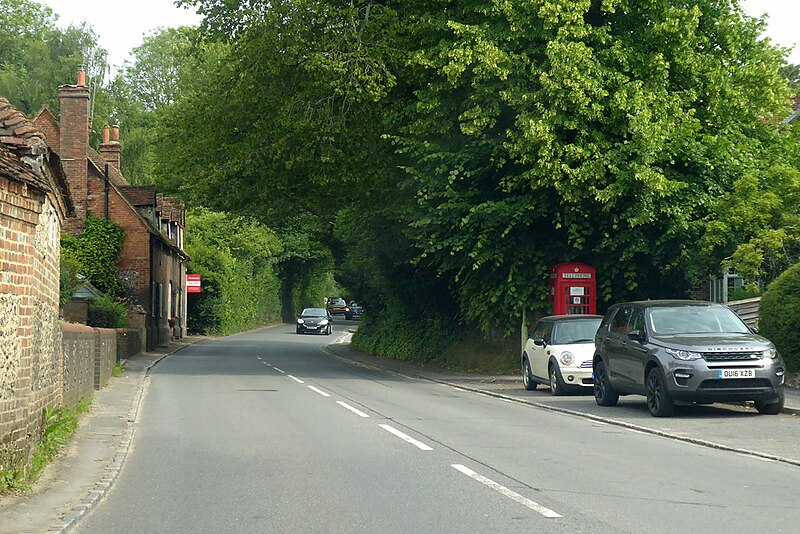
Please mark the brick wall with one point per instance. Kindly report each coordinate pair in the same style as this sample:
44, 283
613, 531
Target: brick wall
78, 346
30, 340
129, 342
105, 355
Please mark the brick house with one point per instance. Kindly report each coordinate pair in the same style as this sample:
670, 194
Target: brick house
152, 262
34, 202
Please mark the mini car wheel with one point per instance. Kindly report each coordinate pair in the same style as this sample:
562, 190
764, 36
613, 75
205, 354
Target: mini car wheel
527, 377
557, 385
770, 408
604, 394
658, 400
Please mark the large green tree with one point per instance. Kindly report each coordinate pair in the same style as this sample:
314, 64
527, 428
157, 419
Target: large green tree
480, 142
36, 56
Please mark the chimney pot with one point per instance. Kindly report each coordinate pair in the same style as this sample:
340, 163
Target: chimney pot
115, 133
82, 75
106, 134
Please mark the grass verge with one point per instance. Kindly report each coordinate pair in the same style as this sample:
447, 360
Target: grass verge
59, 426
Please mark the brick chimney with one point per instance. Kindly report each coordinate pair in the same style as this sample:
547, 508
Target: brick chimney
110, 148
74, 145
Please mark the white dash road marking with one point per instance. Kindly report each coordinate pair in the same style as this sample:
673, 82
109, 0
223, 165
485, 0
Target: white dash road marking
402, 436
547, 512
354, 410
279, 370
296, 379
312, 388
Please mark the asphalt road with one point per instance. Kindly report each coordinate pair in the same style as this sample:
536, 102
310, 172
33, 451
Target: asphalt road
265, 432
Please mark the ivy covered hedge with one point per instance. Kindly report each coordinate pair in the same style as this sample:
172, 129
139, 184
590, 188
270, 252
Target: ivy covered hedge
780, 315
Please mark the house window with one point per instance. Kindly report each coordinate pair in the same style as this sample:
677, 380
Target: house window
169, 300
161, 300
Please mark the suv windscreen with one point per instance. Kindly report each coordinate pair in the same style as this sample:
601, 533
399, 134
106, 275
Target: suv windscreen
575, 331
695, 320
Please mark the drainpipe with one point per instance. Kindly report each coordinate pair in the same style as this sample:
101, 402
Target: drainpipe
107, 188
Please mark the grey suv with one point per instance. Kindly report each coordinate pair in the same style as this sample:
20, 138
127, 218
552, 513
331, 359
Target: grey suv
684, 351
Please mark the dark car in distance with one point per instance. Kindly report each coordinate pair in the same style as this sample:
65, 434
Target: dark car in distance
354, 310
316, 320
684, 352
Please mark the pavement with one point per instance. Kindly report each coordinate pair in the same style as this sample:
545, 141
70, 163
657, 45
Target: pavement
90, 464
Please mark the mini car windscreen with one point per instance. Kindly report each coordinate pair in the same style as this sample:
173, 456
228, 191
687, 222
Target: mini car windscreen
575, 331
314, 312
695, 320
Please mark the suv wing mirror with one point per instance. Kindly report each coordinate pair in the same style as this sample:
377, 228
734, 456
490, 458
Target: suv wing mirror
636, 335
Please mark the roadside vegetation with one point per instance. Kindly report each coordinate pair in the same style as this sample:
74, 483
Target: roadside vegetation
59, 426
436, 159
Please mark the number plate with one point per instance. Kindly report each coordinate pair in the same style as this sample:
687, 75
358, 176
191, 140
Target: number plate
737, 373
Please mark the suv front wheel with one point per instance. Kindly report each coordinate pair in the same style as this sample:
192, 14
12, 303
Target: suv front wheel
658, 400
770, 408
604, 394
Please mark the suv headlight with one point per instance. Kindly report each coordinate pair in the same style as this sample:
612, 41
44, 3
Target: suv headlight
567, 358
684, 355
770, 354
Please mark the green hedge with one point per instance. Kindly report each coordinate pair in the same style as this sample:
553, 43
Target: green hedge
394, 334
780, 315
236, 258
107, 313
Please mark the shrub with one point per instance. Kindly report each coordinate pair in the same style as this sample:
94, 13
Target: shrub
780, 315
107, 313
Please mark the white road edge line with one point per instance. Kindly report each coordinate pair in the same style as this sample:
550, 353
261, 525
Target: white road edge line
312, 388
409, 439
547, 512
296, 379
354, 410
279, 370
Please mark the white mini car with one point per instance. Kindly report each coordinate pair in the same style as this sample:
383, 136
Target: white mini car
560, 353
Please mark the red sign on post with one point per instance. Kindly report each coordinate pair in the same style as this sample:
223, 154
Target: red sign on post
193, 283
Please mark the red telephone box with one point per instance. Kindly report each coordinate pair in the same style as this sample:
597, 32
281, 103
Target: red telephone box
573, 289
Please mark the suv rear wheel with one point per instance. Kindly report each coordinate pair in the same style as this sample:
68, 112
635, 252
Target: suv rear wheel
658, 400
604, 394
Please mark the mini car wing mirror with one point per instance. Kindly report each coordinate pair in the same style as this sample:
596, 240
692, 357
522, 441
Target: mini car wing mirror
636, 335
540, 342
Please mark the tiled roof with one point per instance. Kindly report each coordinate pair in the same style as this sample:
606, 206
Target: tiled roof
113, 173
139, 195
22, 147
